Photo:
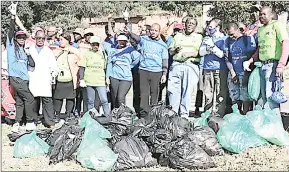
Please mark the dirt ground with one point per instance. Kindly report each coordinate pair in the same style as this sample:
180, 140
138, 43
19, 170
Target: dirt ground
256, 159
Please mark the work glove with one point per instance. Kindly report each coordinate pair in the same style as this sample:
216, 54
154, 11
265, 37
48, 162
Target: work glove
82, 83
163, 79
209, 42
13, 8
246, 66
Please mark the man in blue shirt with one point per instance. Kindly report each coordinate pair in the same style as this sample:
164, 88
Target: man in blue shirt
214, 68
18, 62
153, 66
240, 48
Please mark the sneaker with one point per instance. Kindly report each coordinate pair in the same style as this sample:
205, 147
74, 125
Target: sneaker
61, 122
30, 126
15, 127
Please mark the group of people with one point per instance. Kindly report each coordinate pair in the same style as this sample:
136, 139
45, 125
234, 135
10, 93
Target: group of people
81, 68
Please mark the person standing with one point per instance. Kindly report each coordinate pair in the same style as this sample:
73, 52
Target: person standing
18, 62
92, 75
273, 43
152, 68
214, 68
184, 72
41, 76
240, 48
120, 61
67, 78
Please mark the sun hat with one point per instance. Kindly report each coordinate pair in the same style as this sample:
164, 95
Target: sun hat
94, 39
122, 38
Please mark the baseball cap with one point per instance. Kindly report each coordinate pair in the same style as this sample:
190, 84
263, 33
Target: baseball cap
94, 39
178, 26
20, 33
122, 38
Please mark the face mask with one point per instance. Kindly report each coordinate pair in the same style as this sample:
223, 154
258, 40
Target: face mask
211, 31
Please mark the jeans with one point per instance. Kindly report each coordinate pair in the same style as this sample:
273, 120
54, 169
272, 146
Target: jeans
119, 90
149, 87
101, 90
268, 78
183, 77
215, 86
24, 100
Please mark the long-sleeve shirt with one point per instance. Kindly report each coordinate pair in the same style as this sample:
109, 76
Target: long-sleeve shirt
120, 62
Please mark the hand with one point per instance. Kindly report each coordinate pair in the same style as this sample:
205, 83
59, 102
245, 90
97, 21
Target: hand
82, 83
54, 73
109, 16
125, 14
279, 72
13, 8
235, 80
126, 29
163, 79
246, 65
27, 51
107, 81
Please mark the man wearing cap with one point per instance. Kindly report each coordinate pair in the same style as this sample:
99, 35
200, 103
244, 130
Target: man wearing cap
152, 68
273, 43
184, 72
252, 29
92, 75
18, 62
77, 34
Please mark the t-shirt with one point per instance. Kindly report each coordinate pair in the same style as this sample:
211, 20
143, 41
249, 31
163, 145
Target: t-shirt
120, 62
95, 64
240, 50
270, 39
211, 61
153, 52
17, 61
188, 43
109, 43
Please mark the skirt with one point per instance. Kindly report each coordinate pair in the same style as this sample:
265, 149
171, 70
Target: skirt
64, 90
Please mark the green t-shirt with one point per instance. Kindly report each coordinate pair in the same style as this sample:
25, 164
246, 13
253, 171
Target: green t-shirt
64, 74
188, 43
270, 39
95, 65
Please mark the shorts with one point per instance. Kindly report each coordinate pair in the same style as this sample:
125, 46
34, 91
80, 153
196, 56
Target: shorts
238, 92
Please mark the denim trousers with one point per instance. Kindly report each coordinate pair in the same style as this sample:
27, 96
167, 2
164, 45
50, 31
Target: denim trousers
102, 93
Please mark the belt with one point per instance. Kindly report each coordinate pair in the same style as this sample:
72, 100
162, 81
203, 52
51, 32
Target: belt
268, 61
181, 61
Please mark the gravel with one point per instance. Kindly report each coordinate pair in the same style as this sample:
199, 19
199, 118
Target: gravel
269, 158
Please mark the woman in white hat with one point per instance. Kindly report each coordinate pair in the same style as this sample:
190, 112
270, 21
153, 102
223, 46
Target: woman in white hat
92, 75
120, 61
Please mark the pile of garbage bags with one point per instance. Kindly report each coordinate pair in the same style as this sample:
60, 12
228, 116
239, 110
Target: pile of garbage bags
121, 141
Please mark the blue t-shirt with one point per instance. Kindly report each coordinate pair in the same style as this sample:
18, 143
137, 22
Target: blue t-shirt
153, 52
240, 50
75, 45
120, 62
17, 61
213, 62
169, 40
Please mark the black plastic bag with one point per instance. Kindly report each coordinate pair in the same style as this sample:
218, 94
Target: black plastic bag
206, 138
133, 153
66, 144
122, 115
143, 127
215, 123
43, 134
161, 109
159, 140
185, 154
176, 125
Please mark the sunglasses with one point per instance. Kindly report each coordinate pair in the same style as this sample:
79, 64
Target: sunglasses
95, 44
20, 37
40, 38
89, 34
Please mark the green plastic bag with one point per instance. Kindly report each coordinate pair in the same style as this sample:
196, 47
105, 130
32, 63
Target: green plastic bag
93, 126
30, 145
268, 124
237, 134
93, 152
202, 121
254, 83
